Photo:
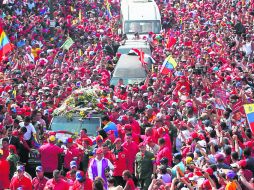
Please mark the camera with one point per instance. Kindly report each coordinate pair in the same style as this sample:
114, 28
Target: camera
200, 70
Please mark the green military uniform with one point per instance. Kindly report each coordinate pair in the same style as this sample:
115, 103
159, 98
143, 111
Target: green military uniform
144, 167
13, 159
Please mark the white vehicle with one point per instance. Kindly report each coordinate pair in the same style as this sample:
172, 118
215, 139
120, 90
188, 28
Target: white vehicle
142, 16
137, 44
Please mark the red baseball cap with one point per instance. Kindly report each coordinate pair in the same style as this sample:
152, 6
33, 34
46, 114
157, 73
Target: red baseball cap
194, 135
98, 138
209, 171
127, 127
206, 184
142, 144
242, 163
69, 140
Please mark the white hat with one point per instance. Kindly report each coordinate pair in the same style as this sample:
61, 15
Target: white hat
202, 143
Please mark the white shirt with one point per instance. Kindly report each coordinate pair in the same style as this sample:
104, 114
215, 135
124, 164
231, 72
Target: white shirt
154, 149
31, 5
99, 167
30, 57
30, 130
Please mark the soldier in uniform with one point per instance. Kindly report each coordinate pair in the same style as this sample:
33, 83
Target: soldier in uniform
145, 166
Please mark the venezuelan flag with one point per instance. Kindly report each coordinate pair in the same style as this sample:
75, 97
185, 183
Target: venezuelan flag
168, 65
5, 45
249, 111
108, 11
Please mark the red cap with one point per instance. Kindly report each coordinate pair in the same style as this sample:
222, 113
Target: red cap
99, 138
142, 144
189, 141
52, 133
161, 130
125, 118
198, 172
69, 140
219, 157
209, 171
228, 78
104, 100
69, 89
190, 175
99, 151
194, 135
201, 136
128, 127
13, 148
206, 184
117, 140
248, 144
242, 163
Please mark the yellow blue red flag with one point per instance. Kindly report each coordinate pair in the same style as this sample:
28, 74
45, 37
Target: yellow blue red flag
249, 111
168, 65
5, 45
108, 11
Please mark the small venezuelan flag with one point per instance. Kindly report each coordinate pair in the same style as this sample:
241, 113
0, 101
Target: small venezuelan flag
108, 11
5, 45
168, 65
249, 111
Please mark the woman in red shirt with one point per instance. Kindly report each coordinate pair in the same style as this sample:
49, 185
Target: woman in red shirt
129, 181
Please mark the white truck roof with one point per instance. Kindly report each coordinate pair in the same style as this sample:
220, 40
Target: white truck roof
140, 10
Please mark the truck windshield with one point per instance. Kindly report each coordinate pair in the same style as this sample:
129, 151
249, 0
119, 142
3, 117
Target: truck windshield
60, 123
142, 26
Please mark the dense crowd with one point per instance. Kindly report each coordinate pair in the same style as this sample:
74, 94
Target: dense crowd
183, 130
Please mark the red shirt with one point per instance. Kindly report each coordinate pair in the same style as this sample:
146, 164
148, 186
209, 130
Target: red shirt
68, 176
23, 182
164, 152
135, 127
88, 184
132, 149
60, 185
39, 184
49, 156
131, 184
109, 155
69, 155
6, 153
4, 173
120, 162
